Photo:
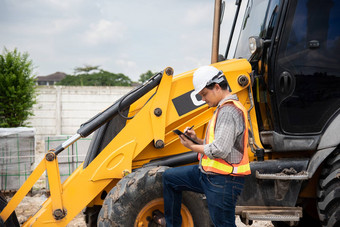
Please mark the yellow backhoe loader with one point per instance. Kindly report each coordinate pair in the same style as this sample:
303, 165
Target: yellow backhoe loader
282, 60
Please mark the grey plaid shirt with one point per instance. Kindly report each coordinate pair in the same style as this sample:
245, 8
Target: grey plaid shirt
229, 130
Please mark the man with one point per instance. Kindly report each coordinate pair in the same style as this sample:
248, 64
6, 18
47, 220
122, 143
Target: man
223, 156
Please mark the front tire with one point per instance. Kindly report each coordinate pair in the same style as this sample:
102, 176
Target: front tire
135, 197
12, 220
329, 192
91, 215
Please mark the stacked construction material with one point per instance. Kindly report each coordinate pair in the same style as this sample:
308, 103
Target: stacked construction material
17, 149
71, 157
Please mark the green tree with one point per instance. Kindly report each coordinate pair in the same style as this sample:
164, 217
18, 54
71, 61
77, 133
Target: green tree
17, 88
145, 76
101, 78
86, 69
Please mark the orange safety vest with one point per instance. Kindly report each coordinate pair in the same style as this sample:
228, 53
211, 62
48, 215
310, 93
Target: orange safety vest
218, 165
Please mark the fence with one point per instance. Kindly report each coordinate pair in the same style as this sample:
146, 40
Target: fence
17, 156
69, 159
17, 147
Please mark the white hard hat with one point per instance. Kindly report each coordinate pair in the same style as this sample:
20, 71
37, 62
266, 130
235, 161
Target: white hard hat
203, 75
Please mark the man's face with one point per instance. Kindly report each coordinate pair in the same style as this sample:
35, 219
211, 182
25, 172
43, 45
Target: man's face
210, 96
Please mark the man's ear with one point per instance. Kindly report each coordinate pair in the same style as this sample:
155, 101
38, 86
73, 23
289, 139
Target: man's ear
217, 87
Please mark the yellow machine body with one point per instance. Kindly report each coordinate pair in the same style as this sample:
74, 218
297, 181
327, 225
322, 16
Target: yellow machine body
131, 148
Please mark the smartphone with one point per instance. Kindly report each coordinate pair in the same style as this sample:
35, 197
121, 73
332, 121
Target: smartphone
179, 132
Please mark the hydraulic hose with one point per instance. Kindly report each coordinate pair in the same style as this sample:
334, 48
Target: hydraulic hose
123, 103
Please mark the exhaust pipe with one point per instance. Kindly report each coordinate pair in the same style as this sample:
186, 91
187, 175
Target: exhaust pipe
216, 32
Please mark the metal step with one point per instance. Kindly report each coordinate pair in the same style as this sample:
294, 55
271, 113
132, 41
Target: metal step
280, 176
286, 214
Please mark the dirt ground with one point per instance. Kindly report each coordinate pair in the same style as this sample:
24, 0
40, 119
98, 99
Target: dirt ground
31, 203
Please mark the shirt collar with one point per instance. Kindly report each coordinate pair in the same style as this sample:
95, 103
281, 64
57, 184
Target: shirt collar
229, 97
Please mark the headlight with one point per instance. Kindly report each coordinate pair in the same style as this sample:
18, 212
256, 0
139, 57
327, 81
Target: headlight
252, 45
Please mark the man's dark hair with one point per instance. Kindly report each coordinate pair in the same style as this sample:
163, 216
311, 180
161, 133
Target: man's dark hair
224, 85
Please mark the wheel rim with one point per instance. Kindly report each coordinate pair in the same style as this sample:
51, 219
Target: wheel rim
145, 214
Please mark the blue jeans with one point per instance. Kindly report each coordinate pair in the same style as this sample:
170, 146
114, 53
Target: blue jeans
221, 192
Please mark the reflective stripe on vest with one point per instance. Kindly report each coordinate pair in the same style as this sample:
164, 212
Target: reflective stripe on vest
218, 165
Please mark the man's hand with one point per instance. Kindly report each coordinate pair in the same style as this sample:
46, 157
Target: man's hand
189, 144
192, 134
186, 142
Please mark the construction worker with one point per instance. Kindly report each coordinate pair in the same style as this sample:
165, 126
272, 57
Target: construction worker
223, 156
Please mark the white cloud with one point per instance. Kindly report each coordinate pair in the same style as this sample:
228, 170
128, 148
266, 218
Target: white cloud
64, 24
126, 63
197, 61
63, 4
105, 31
128, 67
199, 14
127, 37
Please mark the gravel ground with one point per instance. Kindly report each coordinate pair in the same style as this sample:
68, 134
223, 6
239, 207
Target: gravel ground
31, 204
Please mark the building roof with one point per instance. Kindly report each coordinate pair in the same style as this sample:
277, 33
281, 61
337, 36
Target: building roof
57, 76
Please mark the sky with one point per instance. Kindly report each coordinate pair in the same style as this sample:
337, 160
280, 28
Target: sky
121, 36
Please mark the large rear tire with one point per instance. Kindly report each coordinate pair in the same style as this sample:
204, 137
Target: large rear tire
135, 197
329, 192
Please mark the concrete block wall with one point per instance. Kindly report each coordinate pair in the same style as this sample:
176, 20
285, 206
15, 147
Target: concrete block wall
60, 110
17, 146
